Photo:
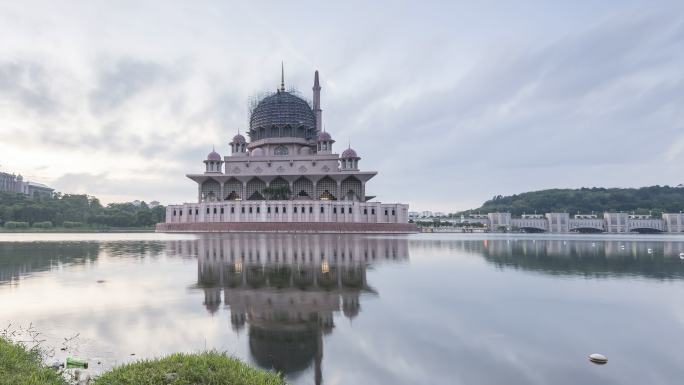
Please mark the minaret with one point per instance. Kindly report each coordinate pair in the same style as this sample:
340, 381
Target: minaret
317, 103
282, 76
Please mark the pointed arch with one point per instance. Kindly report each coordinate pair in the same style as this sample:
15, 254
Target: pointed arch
303, 188
281, 151
210, 191
278, 189
232, 190
352, 189
326, 189
255, 186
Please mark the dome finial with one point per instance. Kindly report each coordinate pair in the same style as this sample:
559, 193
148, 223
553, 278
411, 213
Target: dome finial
282, 76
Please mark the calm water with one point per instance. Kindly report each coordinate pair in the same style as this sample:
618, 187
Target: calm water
438, 309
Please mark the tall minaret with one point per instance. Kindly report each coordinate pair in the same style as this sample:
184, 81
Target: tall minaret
317, 103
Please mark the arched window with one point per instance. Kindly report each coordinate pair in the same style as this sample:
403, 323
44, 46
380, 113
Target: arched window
280, 151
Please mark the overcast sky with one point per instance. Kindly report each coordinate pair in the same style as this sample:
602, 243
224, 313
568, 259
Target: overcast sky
451, 102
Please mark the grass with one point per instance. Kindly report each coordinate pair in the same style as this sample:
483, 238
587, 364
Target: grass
20, 366
208, 368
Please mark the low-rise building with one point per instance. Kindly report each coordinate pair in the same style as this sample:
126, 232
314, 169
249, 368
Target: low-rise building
13, 183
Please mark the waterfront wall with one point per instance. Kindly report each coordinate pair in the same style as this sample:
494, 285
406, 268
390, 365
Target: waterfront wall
563, 223
287, 227
289, 211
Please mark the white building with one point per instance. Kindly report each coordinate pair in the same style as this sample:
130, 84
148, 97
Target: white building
15, 184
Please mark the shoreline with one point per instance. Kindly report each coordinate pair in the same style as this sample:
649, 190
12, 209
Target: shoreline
64, 230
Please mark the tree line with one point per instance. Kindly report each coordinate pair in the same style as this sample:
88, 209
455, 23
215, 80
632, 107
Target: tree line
645, 200
74, 210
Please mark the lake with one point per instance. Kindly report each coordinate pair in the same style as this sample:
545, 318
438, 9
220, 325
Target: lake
350, 309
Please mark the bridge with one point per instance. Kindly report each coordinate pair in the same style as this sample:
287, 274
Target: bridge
581, 223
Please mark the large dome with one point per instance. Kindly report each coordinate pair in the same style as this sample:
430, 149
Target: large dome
281, 110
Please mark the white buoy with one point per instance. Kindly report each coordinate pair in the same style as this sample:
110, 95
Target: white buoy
598, 358
650, 251
681, 255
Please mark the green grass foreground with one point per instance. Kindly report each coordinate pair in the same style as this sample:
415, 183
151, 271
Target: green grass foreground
208, 368
19, 366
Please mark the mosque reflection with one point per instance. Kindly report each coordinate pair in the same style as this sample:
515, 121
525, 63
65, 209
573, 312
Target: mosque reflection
286, 289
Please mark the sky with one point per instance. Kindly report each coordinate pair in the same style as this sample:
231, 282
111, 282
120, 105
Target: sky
451, 102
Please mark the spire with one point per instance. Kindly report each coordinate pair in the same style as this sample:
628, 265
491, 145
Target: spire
317, 85
317, 102
282, 76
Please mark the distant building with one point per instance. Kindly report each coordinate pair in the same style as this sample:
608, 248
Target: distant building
16, 184
426, 214
562, 223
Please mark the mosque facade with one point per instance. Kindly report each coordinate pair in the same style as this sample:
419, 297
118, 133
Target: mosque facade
285, 176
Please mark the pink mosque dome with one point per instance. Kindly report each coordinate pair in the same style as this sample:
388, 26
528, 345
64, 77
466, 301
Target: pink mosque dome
349, 153
239, 139
213, 155
324, 136
257, 152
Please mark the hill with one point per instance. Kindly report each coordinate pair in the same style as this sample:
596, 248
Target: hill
655, 199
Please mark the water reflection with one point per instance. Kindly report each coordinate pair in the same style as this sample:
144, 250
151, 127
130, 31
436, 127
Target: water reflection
285, 290
492, 309
18, 260
21, 259
589, 257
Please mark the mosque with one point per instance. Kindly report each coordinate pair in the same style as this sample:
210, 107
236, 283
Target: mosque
285, 178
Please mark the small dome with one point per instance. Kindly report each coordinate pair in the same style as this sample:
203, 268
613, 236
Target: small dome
257, 152
324, 136
239, 139
349, 153
215, 156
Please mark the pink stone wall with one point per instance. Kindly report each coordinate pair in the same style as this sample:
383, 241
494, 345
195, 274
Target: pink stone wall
281, 227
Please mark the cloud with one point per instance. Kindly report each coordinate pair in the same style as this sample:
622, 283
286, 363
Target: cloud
125, 79
576, 95
27, 84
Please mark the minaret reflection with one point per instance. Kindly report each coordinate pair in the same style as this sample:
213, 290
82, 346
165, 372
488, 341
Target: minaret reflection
285, 289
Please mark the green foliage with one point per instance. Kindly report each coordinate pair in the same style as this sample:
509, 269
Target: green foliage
277, 192
16, 225
203, 368
69, 210
21, 366
654, 199
43, 225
